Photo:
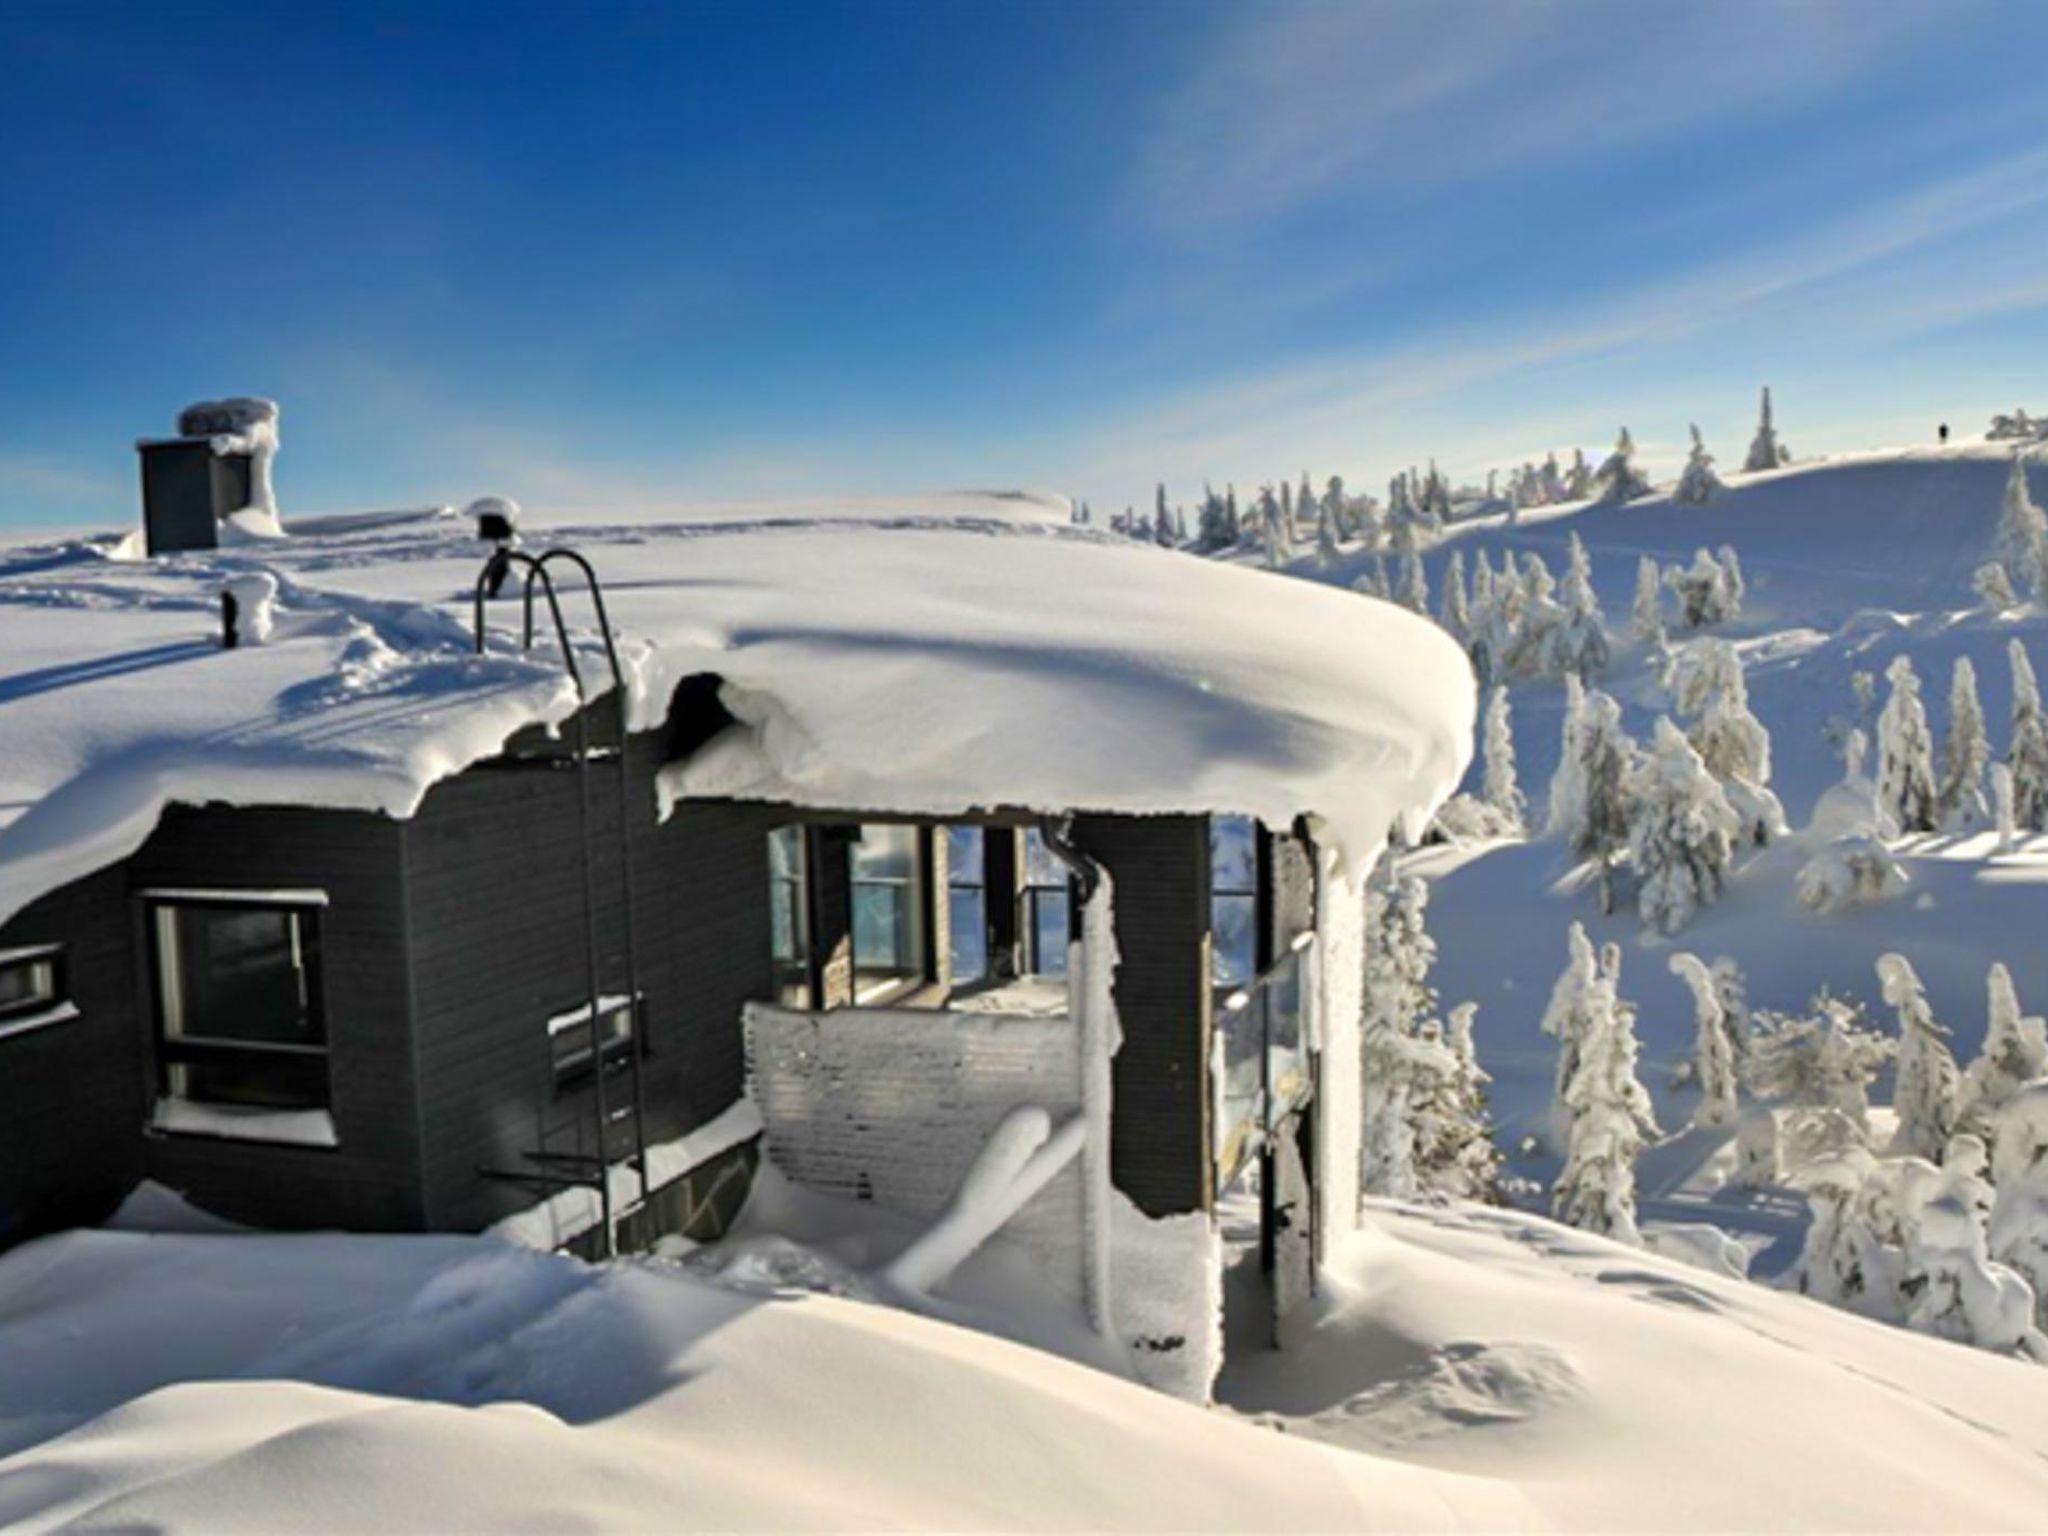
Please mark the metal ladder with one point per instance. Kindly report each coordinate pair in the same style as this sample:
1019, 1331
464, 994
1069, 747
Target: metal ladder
578, 1168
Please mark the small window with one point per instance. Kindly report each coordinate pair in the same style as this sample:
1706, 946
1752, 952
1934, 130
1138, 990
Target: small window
1048, 908
886, 868
967, 903
569, 1042
239, 1013
789, 916
1234, 899
31, 981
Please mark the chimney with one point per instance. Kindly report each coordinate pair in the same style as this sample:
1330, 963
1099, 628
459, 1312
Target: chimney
217, 466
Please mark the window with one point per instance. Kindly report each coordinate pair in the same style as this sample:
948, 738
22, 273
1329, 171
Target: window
1048, 908
789, 916
569, 1038
238, 1003
967, 903
29, 980
1233, 899
886, 866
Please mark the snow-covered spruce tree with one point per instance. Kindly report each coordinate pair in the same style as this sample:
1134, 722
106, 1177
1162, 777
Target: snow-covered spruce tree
2015, 1053
2019, 1171
1929, 1084
1617, 478
1497, 784
1710, 690
1731, 990
1455, 615
1551, 481
1966, 1296
1765, 451
2001, 809
1593, 815
2027, 750
1733, 588
2023, 535
1414, 582
1713, 1050
1578, 641
1455, 1155
1568, 1015
1840, 1259
1578, 480
1697, 484
1682, 831
1906, 794
1609, 1118
1966, 753
1327, 551
1994, 588
1819, 1062
1702, 589
1403, 1069
1646, 615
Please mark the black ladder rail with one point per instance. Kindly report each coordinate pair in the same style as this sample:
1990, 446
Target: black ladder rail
536, 570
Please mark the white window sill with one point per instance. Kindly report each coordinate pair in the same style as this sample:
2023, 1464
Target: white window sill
21, 1024
279, 1127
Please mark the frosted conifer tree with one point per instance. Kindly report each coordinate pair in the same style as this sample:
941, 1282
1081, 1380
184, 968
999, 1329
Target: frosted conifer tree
2015, 1053
1713, 1051
1698, 484
1731, 990
2023, 535
1414, 582
1966, 754
1456, 614
1403, 1068
1991, 584
1928, 1084
1455, 1153
1578, 480
1966, 1296
1711, 691
1703, 591
1838, 1259
1646, 616
1682, 831
2019, 1211
1765, 451
1327, 552
1593, 811
1567, 779
1498, 787
1609, 1119
1822, 1061
1568, 1016
1733, 587
2027, 752
1578, 642
1618, 479
1906, 793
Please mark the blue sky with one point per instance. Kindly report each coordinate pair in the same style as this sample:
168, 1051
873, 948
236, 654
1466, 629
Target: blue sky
642, 256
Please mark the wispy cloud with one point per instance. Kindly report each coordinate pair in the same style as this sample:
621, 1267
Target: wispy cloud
1297, 104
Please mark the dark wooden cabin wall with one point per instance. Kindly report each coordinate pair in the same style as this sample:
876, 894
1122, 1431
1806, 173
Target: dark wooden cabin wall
370, 1180
71, 1094
1159, 1134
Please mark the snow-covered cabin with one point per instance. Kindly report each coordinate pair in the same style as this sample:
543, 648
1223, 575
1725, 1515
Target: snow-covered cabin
310, 928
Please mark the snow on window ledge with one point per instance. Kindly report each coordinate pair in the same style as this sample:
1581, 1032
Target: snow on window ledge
286, 1127
57, 1014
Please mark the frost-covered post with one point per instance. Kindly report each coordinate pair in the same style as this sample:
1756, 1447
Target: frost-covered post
1091, 1003
2014, 1054
1698, 484
1928, 1083
1906, 793
1765, 451
1610, 1118
2027, 751
1498, 788
1682, 831
1967, 751
1713, 1050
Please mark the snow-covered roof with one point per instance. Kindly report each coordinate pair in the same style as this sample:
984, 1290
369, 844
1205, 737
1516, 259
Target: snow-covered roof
972, 651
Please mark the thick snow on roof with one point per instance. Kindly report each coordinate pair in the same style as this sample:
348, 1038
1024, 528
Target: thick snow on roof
972, 651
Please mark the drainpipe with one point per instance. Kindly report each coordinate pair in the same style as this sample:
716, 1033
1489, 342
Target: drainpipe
1091, 964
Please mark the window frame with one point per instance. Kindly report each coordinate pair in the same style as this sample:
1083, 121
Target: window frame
51, 1004
1256, 895
1029, 894
171, 1051
895, 985
980, 887
574, 1071
794, 981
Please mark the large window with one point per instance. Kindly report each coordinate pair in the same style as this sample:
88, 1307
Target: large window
967, 903
789, 916
1047, 908
238, 1003
1234, 899
886, 868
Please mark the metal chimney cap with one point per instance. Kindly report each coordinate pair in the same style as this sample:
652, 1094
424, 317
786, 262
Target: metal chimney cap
496, 517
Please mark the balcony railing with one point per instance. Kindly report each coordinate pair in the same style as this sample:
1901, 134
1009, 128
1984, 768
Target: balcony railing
1261, 1059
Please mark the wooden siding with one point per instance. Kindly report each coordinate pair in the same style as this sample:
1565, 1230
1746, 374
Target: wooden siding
1159, 1136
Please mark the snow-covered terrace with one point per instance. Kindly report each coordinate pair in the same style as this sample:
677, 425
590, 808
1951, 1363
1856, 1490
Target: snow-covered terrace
930, 656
